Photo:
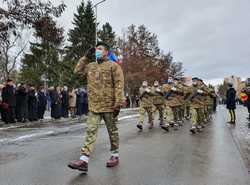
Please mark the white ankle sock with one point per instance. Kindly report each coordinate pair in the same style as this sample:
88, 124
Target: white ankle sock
84, 158
115, 154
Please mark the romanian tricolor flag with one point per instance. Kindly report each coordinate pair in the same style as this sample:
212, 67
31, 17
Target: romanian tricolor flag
112, 56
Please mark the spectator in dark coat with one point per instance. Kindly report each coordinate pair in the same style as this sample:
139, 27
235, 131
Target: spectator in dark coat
21, 103
9, 100
79, 102
65, 102
127, 102
32, 104
231, 103
55, 103
42, 103
85, 103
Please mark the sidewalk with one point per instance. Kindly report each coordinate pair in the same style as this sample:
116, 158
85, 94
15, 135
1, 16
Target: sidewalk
16, 133
241, 134
48, 121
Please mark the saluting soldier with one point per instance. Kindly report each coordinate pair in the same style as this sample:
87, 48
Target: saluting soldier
105, 84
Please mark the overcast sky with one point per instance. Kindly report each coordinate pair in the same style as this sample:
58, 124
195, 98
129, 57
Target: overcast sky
210, 37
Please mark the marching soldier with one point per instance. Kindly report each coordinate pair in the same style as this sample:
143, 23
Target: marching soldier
197, 105
187, 102
211, 98
206, 100
105, 96
181, 97
172, 103
146, 105
158, 101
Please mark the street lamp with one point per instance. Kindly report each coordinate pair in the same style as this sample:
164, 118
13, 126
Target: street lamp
95, 6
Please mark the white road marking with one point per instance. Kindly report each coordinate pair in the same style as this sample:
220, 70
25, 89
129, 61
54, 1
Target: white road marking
41, 134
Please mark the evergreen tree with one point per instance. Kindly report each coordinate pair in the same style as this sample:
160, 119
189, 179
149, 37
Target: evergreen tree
107, 35
82, 36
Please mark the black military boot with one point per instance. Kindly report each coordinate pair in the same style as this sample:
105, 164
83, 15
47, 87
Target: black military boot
165, 127
139, 126
193, 129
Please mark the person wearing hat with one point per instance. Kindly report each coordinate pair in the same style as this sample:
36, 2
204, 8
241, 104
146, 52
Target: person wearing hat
105, 84
231, 103
146, 105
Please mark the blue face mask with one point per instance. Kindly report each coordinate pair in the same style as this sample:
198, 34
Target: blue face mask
98, 55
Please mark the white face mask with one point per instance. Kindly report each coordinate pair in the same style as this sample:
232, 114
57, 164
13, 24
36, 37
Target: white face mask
144, 84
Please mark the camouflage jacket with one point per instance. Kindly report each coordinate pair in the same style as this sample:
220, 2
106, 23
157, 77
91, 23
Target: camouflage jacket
172, 97
197, 99
146, 97
105, 84
158, 95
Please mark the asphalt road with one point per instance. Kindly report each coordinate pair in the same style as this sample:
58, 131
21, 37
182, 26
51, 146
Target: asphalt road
152, 157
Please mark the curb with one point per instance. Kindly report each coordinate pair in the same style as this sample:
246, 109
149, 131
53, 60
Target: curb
55, 132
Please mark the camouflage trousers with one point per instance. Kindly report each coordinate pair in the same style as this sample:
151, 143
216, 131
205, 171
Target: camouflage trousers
206, 112
180, 113
173, 114
94, 119
142, 111
187, 110
197, 116
170, 113
161, 109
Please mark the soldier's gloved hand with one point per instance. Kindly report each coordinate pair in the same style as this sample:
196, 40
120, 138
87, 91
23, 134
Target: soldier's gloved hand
158, 90
173, 89
116, 109
148, 90
200, 91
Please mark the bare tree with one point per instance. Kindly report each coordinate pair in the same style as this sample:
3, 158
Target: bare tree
10, 52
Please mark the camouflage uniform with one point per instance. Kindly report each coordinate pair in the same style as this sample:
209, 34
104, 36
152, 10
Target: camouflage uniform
172, 103
211, 96
105, 91
159, 102
187, 103
181, 98
197, 106
146, 105
206, 102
